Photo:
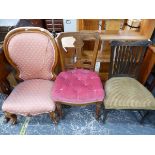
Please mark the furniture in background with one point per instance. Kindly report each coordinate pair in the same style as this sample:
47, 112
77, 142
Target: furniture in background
54, 25
122, 90
4, 72
78, 84
150, 82
30, 22
148, 64
3, 31
103, 59
33, 53
104, 55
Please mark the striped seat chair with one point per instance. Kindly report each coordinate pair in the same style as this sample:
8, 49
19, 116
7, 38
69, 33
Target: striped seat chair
33, 53
123, 91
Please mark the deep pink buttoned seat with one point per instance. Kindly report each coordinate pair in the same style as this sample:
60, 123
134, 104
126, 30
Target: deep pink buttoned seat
78, 86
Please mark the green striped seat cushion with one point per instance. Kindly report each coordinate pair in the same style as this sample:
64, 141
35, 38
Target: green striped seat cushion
127, 93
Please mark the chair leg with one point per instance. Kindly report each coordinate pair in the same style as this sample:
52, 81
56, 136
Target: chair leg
53, 117
98, 110
105, 115
11, 117
144, 116
59, 109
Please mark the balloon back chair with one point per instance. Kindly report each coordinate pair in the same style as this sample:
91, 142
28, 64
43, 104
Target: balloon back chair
123, 91
33, 53
78, 84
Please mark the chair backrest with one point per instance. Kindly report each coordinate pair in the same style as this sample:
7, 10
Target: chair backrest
32, 51
75, 51
126, 58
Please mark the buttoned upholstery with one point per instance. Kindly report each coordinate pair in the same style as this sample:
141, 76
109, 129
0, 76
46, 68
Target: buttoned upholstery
78, 86
127, 93
30, 97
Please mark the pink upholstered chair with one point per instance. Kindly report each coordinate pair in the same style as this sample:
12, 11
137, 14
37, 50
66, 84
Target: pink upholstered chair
78, 84
33, 53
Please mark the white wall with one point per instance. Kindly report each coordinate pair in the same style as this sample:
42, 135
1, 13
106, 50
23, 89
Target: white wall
69, 25
8, 22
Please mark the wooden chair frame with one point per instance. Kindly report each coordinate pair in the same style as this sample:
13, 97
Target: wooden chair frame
81, 62
121, 68
12, 33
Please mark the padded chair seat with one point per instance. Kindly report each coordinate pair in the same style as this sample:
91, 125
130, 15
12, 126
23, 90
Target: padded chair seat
30, 97
127, 93
78, 86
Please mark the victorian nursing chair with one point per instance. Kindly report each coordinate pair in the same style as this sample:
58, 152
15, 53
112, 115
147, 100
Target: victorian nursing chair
123, 91
33, 53
78, 84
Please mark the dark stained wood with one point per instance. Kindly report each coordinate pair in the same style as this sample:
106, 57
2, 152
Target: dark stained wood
4, 72
30, 22
11, 117
148, 64
54, 25
98, 110
126, 58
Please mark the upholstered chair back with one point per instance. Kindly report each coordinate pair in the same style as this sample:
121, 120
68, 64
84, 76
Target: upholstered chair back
32, 51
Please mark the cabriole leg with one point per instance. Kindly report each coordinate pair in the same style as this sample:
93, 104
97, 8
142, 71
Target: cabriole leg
11, 117
53, 117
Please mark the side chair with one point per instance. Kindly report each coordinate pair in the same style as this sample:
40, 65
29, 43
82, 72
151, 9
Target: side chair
78, 84
33, 53
122, 89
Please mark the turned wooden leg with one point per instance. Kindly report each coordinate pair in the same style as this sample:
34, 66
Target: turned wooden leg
53, 117
98, 109
59, 109
11, 117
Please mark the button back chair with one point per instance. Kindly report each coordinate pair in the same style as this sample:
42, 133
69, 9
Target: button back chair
123, 91
33, 53
78, 84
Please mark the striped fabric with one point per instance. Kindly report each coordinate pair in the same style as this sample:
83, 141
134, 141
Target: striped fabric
127, 93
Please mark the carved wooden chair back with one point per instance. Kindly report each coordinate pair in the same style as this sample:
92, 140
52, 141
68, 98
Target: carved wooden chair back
126, 58
74, 52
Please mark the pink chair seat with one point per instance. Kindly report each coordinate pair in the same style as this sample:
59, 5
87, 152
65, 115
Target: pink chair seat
30, 97
78, 86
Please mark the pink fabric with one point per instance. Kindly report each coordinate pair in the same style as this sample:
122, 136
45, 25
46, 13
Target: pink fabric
78, 86
34, 55
30, 97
